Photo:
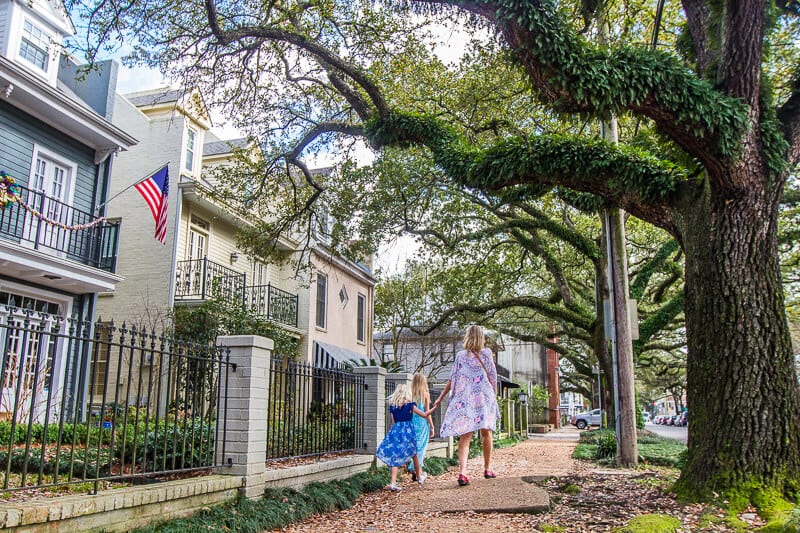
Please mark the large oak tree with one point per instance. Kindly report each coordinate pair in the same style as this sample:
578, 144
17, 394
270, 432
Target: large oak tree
711, 99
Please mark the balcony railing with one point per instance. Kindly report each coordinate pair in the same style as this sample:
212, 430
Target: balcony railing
51, 226
272, 302
201, 279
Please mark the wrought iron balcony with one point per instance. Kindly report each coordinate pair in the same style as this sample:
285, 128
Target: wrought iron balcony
51, 226
273, 303
201, 279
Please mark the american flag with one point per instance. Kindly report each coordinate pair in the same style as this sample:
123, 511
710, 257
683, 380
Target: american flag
155, 190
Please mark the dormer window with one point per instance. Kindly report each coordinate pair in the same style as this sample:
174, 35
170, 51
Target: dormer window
191, 140
34, 46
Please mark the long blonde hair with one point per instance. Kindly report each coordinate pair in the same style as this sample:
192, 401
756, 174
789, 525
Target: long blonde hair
474, 339
419, 389
400, 396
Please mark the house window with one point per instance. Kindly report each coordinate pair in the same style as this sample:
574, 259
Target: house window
387, 351
30, 335
191, 139
197, 245
100, 362
323, 225
343, 297
322, 300
51, 195
34, 45
361, 328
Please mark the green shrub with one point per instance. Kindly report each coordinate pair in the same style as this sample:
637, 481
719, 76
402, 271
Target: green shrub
606, 445
181, 444
438, 465
278, 508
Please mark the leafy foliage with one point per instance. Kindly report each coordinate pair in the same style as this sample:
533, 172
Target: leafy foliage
203, 323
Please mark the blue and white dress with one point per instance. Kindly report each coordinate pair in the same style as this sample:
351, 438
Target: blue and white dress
399, 446
422, 431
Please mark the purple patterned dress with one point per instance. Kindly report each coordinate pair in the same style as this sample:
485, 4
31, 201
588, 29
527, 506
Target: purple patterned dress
473, 401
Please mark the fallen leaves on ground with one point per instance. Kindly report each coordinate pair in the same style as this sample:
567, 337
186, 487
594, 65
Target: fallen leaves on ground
597, 499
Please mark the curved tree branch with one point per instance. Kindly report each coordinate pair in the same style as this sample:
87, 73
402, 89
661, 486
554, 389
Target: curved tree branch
327, 56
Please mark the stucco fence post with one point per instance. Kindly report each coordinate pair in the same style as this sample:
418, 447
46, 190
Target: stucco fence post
374, 406
243, 425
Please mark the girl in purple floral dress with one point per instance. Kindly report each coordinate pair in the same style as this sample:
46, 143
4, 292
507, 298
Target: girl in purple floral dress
473, 401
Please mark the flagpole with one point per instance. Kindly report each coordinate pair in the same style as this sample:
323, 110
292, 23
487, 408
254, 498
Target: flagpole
137, 182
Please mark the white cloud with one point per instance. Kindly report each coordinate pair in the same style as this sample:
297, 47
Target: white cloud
135, 79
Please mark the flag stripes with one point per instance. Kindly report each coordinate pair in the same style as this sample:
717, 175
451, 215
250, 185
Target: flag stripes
155, 191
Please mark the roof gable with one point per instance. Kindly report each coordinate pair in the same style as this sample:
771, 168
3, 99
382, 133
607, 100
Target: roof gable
53, 12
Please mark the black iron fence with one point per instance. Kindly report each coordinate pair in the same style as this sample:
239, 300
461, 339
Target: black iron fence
313, 411
89, 403
50, 225
200, 279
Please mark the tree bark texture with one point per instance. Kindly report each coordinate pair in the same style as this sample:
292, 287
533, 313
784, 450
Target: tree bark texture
742, 385
627, 450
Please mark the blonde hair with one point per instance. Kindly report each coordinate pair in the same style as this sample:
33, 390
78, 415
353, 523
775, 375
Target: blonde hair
419, 389
400, 396
474, 339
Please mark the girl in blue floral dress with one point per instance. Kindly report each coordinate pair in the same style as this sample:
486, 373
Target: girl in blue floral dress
400, 445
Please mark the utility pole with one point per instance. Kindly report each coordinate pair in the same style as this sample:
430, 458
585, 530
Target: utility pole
618, 327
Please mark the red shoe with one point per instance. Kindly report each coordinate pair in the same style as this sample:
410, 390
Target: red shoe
488, 474
463, 480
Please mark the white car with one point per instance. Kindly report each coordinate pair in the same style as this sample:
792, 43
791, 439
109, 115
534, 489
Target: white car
583, 420
646, 416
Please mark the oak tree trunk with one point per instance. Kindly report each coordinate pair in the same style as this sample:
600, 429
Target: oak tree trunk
744, 399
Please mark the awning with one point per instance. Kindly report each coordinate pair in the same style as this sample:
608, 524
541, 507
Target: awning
507, 383
332, 356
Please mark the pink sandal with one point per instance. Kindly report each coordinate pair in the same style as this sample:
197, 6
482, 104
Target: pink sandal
463, 480
488, 474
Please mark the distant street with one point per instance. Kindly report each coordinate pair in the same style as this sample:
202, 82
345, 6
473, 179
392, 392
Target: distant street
670, 432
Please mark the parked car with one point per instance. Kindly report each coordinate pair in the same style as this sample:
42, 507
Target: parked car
584, 420
646, 417
683, 419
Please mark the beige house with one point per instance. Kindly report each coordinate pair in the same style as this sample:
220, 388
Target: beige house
200, 257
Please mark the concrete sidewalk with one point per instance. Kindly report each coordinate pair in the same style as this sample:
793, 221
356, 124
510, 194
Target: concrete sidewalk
516, 489
510, 502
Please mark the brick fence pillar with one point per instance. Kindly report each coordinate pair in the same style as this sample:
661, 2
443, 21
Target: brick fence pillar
374, 406
244, 423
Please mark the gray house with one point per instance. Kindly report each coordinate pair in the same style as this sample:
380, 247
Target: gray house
57, 251
518, 363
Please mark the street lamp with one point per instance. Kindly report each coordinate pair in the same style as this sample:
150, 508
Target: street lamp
523, 397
